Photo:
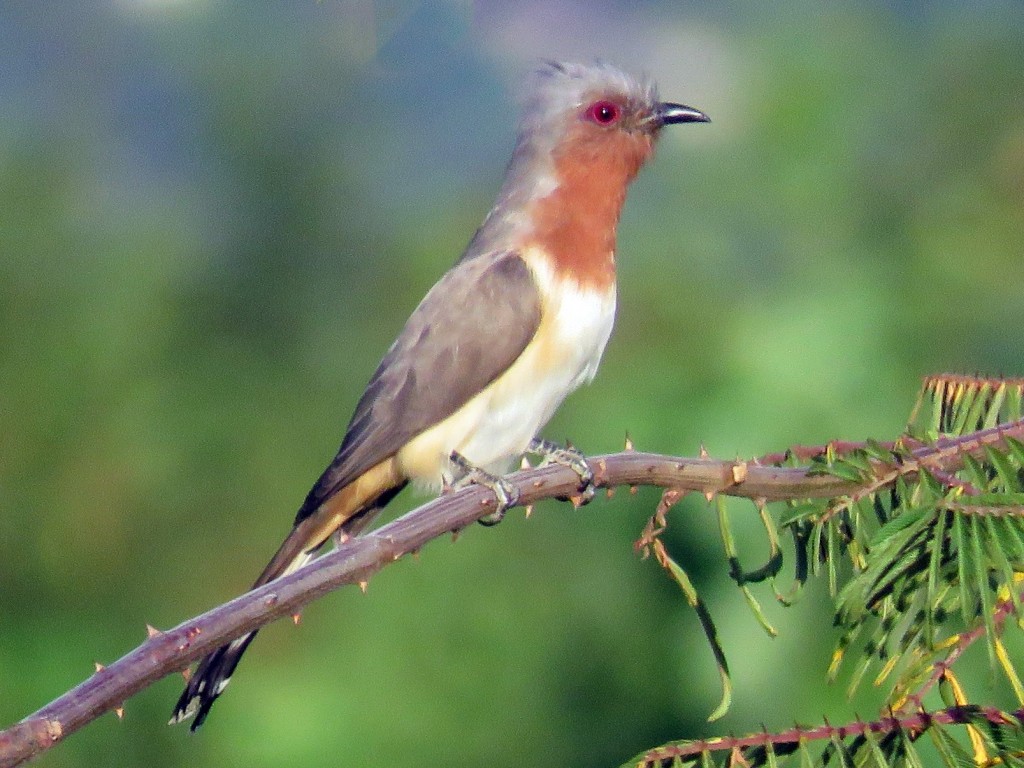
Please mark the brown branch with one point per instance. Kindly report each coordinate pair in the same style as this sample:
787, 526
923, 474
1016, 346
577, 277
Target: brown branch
358, 559
355, 561
913, 723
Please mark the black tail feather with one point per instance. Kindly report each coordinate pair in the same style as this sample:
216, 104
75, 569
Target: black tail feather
208, 681
214, 671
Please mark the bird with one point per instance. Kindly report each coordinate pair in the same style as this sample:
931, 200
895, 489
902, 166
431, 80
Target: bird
518, 323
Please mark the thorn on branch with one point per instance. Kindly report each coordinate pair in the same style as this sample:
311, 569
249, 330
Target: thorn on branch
697, 476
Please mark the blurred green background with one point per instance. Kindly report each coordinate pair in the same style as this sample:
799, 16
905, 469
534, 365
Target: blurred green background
214, 217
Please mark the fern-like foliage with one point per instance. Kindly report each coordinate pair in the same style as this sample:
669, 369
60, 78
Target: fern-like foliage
888, 742
923, 557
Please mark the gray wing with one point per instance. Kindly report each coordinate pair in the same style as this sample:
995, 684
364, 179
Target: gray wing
466, 332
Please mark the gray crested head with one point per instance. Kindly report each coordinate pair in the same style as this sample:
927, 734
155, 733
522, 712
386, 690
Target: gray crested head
562, 95
554, 95
596, 112
557, 90
557, 93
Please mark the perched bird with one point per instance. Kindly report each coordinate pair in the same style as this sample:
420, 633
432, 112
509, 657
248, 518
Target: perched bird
517, 324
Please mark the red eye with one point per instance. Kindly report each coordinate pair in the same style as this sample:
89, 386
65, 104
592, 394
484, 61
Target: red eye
603, 112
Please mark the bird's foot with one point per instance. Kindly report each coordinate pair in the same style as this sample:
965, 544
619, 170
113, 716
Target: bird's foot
504, 492
571, 457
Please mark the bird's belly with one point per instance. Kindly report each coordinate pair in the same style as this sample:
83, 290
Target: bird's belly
496, 426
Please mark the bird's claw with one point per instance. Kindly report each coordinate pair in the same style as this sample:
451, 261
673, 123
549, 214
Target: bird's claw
571, 457
505, 494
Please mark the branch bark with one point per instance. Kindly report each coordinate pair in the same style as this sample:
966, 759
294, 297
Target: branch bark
355, 561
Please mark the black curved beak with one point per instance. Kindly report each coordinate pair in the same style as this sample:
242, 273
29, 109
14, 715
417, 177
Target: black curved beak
669, 113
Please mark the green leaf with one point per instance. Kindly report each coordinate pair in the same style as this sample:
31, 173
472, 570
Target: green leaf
846, 470
965, 568
999, 541
984, 592
832, 550
800, 511
996, 499
1013, 402
910, 753
878, 756
1013, 539
950, 750
977, 474
1005, 470
877, 451
994, 406
1016, 448
729, 544
934, 568
975, 415
710, 632
899, 523
805, 756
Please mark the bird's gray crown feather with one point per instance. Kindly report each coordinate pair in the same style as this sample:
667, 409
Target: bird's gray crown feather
556, 88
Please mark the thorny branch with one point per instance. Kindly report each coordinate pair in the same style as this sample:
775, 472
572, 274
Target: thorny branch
353, 562
786, 741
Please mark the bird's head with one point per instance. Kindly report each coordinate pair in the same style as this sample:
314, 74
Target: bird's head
596, 115
585, 131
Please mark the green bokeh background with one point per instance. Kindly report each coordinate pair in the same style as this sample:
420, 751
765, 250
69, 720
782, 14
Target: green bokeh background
214, 217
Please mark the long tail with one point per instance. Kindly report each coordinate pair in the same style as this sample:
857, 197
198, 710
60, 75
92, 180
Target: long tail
348, 511
214, 672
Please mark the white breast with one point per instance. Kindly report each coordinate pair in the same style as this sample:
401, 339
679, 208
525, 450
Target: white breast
497, 425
